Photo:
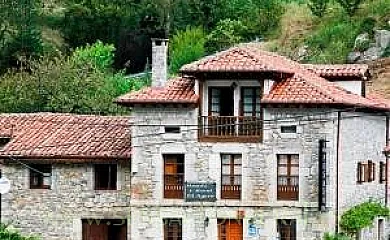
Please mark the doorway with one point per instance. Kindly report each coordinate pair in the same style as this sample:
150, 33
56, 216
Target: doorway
230, 229
104, 229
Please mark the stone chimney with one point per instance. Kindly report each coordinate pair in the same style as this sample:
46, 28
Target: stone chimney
159, 62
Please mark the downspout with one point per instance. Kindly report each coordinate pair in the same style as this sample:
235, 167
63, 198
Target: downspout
387, 161
337, 171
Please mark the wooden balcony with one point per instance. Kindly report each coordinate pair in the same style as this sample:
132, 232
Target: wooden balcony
174, 187
231, 192
230, 129
288, 188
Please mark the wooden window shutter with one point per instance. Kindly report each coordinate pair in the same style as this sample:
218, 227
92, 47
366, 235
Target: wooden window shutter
359, 173
366, 172
373, 171
370, 171
382, 172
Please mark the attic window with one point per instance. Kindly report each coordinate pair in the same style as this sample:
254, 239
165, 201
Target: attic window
172, 129
4, 141
288, 129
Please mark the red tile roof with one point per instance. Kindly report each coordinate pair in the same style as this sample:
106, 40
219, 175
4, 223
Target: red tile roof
65, 136
240, 59
339, 70
178, 90
304, 86
307, 88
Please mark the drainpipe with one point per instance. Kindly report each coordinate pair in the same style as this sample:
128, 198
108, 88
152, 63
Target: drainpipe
337, 171
387, 161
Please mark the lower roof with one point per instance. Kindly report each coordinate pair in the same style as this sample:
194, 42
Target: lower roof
65, 137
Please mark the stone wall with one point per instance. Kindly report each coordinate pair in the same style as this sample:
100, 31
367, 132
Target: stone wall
202, 163
56, 213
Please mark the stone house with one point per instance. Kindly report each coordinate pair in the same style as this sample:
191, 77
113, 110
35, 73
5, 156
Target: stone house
243, 144
69, 174
247, 144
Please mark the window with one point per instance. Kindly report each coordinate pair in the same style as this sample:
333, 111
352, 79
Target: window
288, 177
172, 129
221, 101
105, 176
230, 229
382, 172
173, 176
173, 229
231, 176
4, 141
288, 129
287, 229
365, 172
40, 176
102, 229
251, 101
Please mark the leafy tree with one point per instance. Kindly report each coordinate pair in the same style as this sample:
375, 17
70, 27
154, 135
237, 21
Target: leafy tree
226, 33
80, 83
20, 36
186, 46
350, 6
318, 7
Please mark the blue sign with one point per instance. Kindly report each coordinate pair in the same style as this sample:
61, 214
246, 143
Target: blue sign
200, 192
252, 230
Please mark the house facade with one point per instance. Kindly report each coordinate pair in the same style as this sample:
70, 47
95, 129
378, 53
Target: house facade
243, 144
286, 147
69, 175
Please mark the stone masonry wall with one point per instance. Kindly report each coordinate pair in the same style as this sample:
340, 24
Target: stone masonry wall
202, 163
56, 214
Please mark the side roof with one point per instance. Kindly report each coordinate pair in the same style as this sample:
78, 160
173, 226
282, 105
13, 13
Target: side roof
65, 137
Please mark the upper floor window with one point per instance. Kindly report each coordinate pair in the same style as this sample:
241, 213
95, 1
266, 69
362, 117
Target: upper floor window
105, 176
40, 176
366, 172
288, 177
250, 101
382, 172
221, 101
231, 176
174, 176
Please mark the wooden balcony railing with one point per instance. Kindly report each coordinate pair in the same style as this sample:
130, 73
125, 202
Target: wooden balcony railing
173, 187
230, 128
288, 188
231, 192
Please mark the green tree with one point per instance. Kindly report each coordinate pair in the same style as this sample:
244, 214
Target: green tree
226, 33
350, 6
186, 46
318, 7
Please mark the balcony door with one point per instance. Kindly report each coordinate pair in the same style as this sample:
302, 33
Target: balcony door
221, 101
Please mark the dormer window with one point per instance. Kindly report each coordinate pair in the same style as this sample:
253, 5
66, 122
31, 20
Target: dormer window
233, 112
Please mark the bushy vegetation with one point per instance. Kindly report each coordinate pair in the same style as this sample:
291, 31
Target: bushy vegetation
330, 236
362, 216
80, 83
186, 46
6, 234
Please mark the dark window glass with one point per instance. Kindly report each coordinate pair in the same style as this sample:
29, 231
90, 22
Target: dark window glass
105, 176
287, 229
40, 176
173, 229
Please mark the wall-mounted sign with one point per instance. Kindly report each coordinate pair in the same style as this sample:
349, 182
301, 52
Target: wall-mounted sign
5, 185
200, 192
252, 230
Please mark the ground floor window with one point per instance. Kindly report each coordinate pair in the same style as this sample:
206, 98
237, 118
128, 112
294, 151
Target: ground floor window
230, 229
173, 229
104, 229
287, 229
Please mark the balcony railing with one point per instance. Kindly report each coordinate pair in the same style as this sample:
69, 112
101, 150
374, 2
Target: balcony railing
230, 128
231, 192
288, 188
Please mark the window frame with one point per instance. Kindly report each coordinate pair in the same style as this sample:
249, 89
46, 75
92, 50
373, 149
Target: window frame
382, 172
292, 229
235, 191
289, 177
255, 112
178, 187
169, 222
111, 184
40, 178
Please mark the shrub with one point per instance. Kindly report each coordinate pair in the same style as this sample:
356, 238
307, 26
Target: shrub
330, 236
318, 7
362, 216
98, 54
6, 234
226, 33
350, 6
186, 46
